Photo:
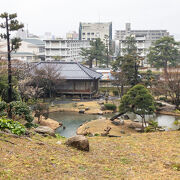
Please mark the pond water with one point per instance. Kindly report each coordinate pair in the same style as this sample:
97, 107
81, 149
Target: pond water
72, 121
165, 121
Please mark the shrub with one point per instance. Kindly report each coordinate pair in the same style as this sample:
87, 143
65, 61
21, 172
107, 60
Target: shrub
14, 126
41, 109
177, 111
15, 95
110, 107
3, 108
115, 93
21, 109
153, 125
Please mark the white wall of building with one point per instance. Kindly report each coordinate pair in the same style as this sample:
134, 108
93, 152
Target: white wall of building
67, 50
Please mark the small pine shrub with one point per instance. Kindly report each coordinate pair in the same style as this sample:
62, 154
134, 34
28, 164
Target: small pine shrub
3, 108
110, 107
21, 109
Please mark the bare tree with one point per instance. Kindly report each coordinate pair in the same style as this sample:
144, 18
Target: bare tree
47, 77
29, 92
169, 84
119, 82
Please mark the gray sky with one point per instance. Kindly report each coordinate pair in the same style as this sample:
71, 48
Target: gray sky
61, 16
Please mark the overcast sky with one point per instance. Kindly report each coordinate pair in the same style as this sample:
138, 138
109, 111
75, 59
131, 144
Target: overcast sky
61, 16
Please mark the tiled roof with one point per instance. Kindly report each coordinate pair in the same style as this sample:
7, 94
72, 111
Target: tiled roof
35, 41
72, 70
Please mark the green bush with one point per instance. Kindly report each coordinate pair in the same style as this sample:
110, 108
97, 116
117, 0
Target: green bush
3, 108
15, 95
110, 107
14, 126
153, 125
115, 93
21, 109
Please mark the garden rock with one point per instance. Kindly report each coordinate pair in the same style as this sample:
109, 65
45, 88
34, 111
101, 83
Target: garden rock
100, 113
126, 117
122, 132
45, 130
87, 108
118, 122
59, 142
81, 111
134, 125
139, 129
80, 142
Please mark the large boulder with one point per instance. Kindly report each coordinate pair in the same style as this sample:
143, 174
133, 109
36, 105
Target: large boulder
45, 130
134, 125
81, 111
80, 142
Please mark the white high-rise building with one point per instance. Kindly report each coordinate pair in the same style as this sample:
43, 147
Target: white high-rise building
64, 49
143, 38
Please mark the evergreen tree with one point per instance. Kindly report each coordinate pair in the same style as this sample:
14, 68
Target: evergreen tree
129, 63
95, 52
10, 24
163, 53
139, 101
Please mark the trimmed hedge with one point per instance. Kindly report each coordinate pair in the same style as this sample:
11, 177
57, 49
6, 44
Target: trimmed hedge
110, 107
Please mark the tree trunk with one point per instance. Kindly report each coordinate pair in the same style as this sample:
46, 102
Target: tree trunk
122, 90
119, 92
90, 63
116, 116
9, 64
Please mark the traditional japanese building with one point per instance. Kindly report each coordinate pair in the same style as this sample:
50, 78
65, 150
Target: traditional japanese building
77, 78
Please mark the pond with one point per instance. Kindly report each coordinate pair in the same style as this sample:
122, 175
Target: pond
72, 121
165, 121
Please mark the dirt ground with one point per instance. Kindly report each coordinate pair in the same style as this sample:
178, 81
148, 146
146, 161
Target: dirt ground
98, 126
93, 107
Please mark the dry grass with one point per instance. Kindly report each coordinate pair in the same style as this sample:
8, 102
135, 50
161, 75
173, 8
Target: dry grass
139, 156
98, 126
93, 106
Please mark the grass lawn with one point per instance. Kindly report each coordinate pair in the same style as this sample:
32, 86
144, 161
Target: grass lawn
138, 156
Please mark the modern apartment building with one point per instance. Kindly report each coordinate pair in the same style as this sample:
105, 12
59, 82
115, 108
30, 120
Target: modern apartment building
64, 49
91, 31
144, 39
31, 50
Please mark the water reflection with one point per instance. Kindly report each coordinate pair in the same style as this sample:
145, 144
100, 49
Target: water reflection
165, 121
